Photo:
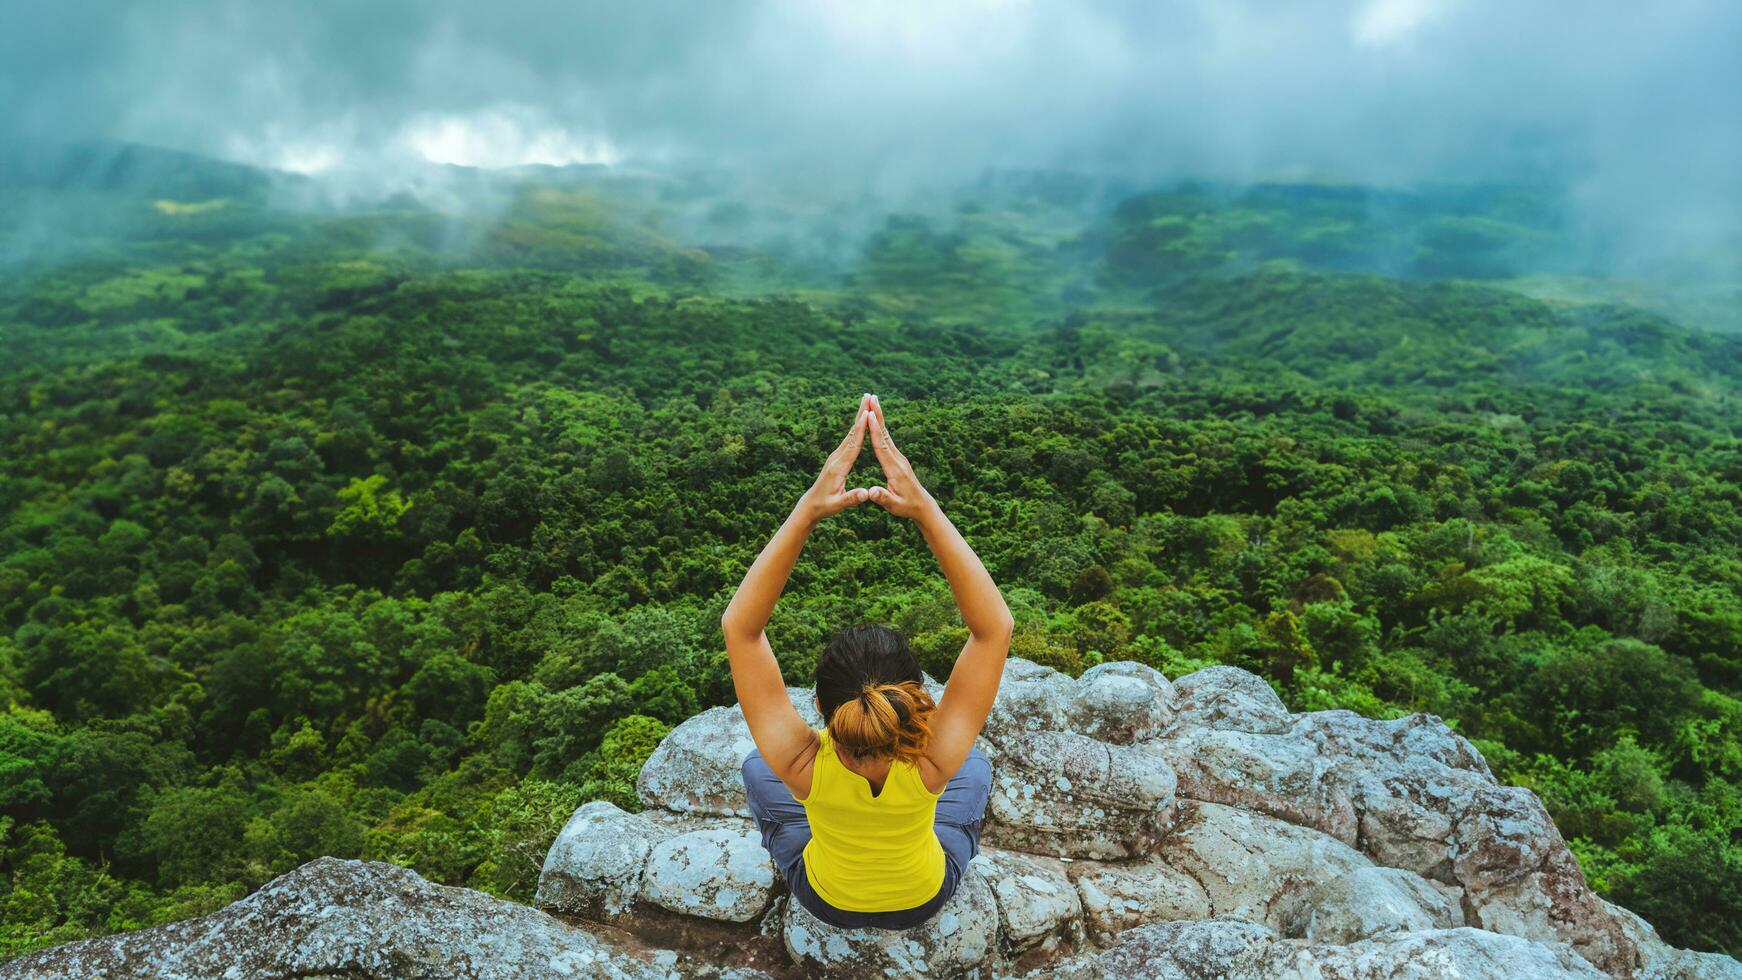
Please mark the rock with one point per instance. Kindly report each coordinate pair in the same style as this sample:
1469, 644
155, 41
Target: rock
1369, 902
1431, 955
1687, 964
1194, 829
1280, 775
1121, 702
1411, 792
959, 938
805, 700
1229, 698
1347, 737
1252, 866
1501, 846
1220, 948
1234, 949
1068, 795
1036, 901
697, 766
927, 681
721, 873
353, 919
1119, 896
594, 867
605, 861
1661, 961
1031, 698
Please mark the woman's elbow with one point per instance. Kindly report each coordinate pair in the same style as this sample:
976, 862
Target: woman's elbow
1002, 628
733, 628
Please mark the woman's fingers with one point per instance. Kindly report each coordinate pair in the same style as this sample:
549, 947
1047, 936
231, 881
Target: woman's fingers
829, 495
882, 444
848, 451
849, 498
885, 498
888, 440
861, 421
897, 471
834, 503
856, 435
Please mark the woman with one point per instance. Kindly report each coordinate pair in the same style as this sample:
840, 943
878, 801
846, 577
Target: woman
872, 819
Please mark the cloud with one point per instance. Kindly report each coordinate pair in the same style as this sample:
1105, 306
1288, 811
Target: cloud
1384, 22
1634, 107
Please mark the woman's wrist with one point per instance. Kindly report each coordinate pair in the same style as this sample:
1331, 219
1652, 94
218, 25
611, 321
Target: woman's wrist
808, 512
929, 512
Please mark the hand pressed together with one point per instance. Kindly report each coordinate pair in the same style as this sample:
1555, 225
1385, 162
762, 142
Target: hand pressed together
901, 493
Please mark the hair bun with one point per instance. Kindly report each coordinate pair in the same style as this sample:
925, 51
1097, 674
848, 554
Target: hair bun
885, 721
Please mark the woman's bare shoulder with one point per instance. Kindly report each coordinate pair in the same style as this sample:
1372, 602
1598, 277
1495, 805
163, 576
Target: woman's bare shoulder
932, 775
798, 775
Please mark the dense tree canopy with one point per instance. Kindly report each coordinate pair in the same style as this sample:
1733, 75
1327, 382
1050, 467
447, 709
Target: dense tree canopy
321, 540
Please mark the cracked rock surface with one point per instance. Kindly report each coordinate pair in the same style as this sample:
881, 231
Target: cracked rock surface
359, 919
1138, 827
1196, 822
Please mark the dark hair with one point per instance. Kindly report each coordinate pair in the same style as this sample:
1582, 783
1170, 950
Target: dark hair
872, 693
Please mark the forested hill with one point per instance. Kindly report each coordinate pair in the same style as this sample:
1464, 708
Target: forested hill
397, 535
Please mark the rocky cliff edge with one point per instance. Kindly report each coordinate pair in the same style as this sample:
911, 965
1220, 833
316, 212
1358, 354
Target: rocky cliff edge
1137, 827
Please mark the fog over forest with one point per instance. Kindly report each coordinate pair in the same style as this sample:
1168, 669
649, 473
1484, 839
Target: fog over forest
1633, 110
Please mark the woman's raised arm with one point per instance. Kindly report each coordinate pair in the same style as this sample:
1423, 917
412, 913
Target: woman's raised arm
973, 683
783, 738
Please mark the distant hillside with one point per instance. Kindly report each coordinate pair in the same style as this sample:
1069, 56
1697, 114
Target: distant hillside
1369, 330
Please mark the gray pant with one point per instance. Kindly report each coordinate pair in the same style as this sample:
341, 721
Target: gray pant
786, 830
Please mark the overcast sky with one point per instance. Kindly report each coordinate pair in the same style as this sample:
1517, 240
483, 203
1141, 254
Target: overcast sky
1635, 104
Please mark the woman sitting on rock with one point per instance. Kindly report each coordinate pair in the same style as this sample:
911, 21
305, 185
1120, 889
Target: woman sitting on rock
874, 818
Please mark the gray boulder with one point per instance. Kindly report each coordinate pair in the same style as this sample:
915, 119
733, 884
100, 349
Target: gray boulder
1432, 955
1252, 866
333, 918
722, 873
1036, 901
1068, 795
1121, 702
605, 861
1220, 948
1661, 961
1368, 902
1412, 793
1121, 895
1031, 698
1229, 698
1500, 845
1280, 775
1235, 949
697, 767
594, 867
959, 939
1385, 743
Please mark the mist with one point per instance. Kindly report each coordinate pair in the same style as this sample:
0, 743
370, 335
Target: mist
1632, 110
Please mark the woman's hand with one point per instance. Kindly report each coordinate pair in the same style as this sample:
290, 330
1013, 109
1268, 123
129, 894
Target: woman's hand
901, 495
829, 495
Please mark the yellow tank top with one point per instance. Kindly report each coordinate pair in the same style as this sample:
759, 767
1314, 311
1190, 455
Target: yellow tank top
871, 853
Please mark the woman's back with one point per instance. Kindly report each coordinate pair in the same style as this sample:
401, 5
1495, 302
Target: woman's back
888, 859
870, 853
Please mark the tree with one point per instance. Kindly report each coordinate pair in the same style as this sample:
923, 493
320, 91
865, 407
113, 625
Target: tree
370, 512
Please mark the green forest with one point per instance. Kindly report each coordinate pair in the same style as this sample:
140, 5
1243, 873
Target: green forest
387, 532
